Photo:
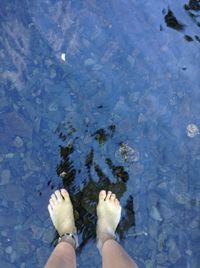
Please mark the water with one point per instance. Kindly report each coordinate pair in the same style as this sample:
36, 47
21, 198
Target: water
101, 95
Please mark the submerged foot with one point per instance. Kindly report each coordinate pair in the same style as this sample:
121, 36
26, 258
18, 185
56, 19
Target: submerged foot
108, 213
61, 212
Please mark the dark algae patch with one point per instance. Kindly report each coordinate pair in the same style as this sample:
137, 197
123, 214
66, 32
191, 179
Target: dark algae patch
65, 169
102, 134
85, 196
193, 10
172, 21
193, 5
117, 171
89, 159
188, 38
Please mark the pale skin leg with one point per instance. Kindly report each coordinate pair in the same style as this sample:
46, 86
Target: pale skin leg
61, 213
109, 213
63, 256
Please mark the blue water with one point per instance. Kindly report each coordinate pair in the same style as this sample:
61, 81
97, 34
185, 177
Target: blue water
101, 94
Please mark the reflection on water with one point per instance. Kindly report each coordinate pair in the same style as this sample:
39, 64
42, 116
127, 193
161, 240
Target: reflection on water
84, 190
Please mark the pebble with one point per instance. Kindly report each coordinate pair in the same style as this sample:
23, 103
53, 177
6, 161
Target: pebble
10, 220
161, 241
63, 174
53, 107
192, 130
174, 253
155, 214
18, 142
15, 123
24, 244
141, 118
166, 212
188, 252
8, 250
89, 61
149, 264
48, 236
37, 231
97, 67
131, 59
161, 258
13, 256
38, 101
9, 155
52, 74
125, 153
42, 255
6, 264
4, 233
5, 177
194, 223
63, 56
12, 192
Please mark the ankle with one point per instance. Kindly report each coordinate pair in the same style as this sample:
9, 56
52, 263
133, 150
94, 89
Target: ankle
102, 237
70, 238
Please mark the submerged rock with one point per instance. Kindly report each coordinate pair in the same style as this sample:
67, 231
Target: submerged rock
192, 130
18, 142
9, 250
126, 153
155, 214
174, 253
5, 177
11, 192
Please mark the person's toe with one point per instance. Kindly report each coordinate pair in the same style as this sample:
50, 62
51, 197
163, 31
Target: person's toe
53, 198
108, 195
102, 195
64, 194
50, 209
112, 198
52, 203
117, 202
58, 195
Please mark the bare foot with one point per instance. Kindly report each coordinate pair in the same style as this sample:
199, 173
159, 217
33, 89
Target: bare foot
61, 212
108, 213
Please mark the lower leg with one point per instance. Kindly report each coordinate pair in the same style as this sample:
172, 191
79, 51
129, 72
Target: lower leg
109, 213
63, 256
113, 255
61, 213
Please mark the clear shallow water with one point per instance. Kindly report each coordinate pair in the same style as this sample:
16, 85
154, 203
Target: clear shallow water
120, 112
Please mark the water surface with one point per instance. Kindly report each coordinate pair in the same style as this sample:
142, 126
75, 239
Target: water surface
101, 95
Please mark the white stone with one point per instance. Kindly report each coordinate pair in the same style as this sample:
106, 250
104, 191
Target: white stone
192, 130
63, 174
63, 56
18, 142
126, 153
155, 214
